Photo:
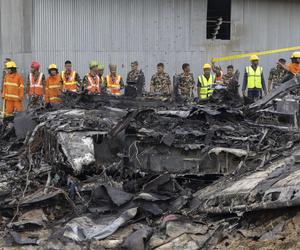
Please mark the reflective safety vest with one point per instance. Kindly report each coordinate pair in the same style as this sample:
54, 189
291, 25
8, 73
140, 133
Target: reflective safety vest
114, 85
53, 89
13, 87
205, 89
36, 86
69, 84
254, 77
93, 84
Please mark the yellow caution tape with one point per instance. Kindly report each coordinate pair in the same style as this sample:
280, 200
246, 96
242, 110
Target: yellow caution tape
266, 52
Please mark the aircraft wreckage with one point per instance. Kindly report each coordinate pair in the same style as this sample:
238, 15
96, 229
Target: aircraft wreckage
123, 173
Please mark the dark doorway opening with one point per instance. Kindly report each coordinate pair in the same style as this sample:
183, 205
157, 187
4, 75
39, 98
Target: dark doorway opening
218, 19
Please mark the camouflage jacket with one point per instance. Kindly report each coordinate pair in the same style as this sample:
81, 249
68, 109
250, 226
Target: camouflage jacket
227, 78
277, 75
185, 84
135, 76
160, 83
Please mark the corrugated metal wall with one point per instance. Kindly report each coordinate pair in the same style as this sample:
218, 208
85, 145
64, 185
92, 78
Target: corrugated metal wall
15, 39
150, 31
116, 31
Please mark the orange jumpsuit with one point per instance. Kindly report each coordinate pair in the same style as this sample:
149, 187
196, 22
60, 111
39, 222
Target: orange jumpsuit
13, 93
53, 88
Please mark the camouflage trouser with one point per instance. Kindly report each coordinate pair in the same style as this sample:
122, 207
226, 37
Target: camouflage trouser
276, 85
35, 102
186, 93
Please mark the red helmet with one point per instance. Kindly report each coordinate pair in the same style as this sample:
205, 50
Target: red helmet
35, 65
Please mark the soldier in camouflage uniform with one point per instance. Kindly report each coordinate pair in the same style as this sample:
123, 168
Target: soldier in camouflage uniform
185, 82
228, 77
231, 81
277, 75
136, 78
160, 82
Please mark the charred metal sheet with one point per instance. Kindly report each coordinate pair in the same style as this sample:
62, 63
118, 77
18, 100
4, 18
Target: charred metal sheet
137, 240
123, 102
283, 89
70, 136
23, 240
32, 220
181, 142
274, 187
40, 197
112, 162
78, 148
23, 124
116, 196
84, 228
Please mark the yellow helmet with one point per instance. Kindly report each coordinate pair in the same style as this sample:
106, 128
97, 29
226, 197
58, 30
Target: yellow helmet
206, 66
296, 54
52, 66
254, 58
10, 64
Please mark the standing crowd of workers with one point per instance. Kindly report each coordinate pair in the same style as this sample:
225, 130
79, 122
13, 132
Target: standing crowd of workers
47, 90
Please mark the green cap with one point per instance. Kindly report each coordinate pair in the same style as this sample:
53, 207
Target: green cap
93, 64
100, 66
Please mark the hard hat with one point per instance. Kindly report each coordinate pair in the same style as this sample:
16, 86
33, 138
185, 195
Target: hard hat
35, 65
206, 66
100, 66
10, 64
254, 58
296, 54
52, 66
93, 64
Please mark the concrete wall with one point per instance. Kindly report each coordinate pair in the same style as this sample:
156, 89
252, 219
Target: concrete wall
150, 31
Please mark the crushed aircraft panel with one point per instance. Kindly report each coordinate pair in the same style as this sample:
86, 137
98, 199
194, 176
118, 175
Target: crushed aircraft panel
276, 186
136, 173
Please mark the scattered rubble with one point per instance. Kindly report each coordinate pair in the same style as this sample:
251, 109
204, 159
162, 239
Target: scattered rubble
122, 173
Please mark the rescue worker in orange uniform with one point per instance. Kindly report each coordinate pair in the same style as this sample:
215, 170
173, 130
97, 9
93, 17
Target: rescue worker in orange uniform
92, 81
4, 69
53, 86
114, 82
13, 90
35, 86
70, 78
292, 68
